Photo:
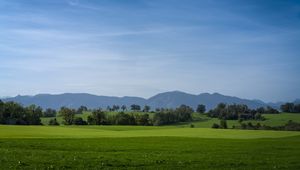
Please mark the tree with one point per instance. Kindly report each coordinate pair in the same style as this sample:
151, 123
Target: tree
15, 114
33, 114
115, 108
184, 113
201, 108
68, 115
49, 113
158, 119
135, 107
146, 108
261, 110
108, 108
123, 107
81, 109
170, 116
124, 119
271, 110
238, 111
98, 117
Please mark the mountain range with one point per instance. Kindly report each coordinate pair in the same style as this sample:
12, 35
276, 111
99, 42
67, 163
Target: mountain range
162, 100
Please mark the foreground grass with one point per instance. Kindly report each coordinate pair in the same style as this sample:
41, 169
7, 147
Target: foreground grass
151, 147
150, 153
138, 147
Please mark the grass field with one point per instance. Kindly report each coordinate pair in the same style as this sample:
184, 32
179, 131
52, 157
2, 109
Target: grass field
150, 147
136, 147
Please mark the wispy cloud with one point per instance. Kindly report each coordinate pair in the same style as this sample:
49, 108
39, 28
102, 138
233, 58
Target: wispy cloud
79, 4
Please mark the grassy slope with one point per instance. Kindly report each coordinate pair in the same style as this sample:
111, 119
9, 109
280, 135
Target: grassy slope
132, 131
271, 120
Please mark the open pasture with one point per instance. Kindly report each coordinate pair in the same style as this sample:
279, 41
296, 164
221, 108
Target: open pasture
138, 147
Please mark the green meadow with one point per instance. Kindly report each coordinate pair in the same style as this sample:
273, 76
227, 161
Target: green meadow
150, 147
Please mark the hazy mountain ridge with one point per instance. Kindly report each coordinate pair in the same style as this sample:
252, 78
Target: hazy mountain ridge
166, 100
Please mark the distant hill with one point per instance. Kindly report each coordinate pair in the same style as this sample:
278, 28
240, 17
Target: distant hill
166, 100
75, 100
175, 98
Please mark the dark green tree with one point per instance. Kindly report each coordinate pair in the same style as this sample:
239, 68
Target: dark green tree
49, 113
135, 107
115, 108
201, 108
146, 108
123, 107
98, 117
81, 109
34, 113
68, 115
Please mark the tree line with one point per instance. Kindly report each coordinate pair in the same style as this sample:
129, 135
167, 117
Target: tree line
101, 117
239, 112
12, 113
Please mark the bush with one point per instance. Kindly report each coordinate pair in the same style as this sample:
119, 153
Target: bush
49, 113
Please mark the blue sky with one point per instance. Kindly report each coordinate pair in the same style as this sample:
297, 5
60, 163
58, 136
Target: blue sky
249, 49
